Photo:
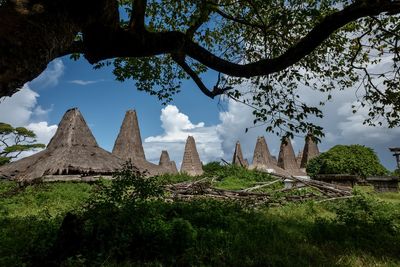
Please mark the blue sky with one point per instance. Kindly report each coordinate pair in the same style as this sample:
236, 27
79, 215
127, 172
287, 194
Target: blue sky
103, 102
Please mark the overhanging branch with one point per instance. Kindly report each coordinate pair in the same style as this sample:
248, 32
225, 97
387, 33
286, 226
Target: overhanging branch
180, 60
53, 32
138, 15
304, 47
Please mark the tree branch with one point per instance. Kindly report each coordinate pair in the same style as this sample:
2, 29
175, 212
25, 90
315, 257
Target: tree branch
127, 44
180, 60
138, 15
204, 12
76, 47
240, 21
304, 47
103, 39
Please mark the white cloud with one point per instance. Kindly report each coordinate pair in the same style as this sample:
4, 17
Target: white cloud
84, 82
22, 108
18, 109
234, 121
341, 126
51, 76
352, 127
177, 127
44, 132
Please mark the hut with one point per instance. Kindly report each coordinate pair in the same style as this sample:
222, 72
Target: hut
128, 146
166, 163
191, 163
73, 151
238, 157
262, 159
287, 159
383, 184
310, 151
349, 180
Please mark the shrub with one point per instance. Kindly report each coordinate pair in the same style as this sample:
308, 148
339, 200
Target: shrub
396, 172
213, 168
129, 185
352, 159
361, 222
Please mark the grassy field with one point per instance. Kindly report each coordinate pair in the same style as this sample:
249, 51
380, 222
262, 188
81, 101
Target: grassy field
118, 231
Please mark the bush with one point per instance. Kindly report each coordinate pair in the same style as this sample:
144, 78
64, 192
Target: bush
213, 168
361, 222
128, 223
396, 172
352, 159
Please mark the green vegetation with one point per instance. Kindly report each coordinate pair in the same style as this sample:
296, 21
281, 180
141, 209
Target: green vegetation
352, 159
396, 172
230, 177
50, 198
125, 222
14, 141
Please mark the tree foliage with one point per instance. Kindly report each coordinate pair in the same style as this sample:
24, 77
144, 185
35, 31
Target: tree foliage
14, 141
352, 159
277, 49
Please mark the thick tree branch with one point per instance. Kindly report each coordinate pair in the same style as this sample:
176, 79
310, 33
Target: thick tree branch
138, 15
34, 32
76, 47
127, 44
180, 60
304, 47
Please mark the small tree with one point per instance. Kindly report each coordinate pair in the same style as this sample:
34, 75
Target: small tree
14, 141
352, 159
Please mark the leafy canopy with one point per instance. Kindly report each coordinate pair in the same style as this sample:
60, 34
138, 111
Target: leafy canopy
264, 53
14, 141
352, 159
250, 31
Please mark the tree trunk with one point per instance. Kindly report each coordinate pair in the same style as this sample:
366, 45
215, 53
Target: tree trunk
34, 32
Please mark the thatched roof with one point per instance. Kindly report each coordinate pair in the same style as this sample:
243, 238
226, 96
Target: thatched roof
310, 150
262, 159
287, 159
165, 162
238, 156
128, 146
72, 150
191, 163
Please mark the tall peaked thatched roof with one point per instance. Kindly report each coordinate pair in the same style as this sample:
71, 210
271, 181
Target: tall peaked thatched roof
261, 154
72, 150
238, 156
262, 159
310, 150
128, 146
287, 158
191, 163
167, 163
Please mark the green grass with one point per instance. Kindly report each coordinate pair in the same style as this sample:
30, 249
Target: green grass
364, 231
236, 178
387, 197
51, 198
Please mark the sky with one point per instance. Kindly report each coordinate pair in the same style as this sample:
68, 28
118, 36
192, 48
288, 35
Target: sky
215, 124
